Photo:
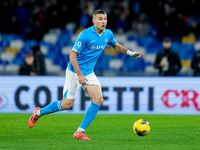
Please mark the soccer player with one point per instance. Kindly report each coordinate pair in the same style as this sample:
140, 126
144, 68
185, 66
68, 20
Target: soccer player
79, 73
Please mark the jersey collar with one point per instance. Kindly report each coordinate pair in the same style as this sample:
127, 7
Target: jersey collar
94, 30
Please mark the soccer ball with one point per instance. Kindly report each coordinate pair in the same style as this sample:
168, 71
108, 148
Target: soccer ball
141, 127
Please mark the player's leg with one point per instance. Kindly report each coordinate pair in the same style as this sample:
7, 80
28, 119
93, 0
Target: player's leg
56, 106
51, 108
93, 89
69, 93
95, 93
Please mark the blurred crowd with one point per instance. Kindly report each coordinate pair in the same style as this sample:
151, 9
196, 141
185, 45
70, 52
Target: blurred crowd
138, 24
158, 18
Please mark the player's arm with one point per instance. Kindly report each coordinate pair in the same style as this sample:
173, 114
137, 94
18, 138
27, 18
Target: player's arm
81, 78
124, 50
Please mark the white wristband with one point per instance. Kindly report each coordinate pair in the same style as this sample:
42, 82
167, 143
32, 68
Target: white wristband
130, 53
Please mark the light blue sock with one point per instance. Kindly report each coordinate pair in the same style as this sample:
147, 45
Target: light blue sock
51, 108
90, 115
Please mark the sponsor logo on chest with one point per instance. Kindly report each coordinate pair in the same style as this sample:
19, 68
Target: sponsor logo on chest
98, 47
101, 47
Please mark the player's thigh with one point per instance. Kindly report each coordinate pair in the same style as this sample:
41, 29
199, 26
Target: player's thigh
67, 103
70, 89
95, 93
71, 85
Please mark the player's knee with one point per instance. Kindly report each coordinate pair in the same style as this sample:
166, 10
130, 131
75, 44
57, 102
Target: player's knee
99, 101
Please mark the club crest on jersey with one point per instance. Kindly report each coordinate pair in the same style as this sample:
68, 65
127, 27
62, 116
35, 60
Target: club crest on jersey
79, 44
106, 40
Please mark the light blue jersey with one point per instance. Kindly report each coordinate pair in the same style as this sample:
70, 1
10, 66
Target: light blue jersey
90, 45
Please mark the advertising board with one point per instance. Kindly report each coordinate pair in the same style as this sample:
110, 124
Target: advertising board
122, 95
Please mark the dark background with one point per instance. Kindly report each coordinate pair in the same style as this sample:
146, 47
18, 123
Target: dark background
138, 20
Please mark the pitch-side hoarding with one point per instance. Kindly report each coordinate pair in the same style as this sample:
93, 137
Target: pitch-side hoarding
122, 95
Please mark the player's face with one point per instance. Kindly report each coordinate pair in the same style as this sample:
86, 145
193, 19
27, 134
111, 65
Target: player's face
100, 21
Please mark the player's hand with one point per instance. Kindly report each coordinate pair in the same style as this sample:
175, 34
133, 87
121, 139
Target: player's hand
82, 79
138, 55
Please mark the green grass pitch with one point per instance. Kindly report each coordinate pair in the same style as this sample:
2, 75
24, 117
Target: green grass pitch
108, 132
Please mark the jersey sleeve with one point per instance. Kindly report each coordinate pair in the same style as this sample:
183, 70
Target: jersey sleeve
112, 40
80, 42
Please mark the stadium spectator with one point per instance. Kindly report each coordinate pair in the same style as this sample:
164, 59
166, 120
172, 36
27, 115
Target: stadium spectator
141, 26
27, 67
84, 18
193, 26
121, 23
116, 10
39, 63
30, 17
38, 22
22, 15
167, 61
196, 63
